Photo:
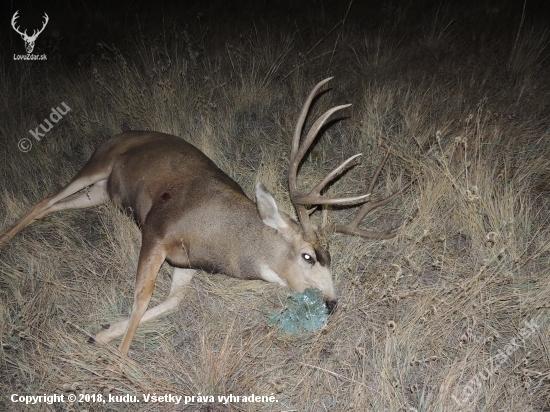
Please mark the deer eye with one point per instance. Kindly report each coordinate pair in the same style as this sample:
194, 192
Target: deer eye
308, 258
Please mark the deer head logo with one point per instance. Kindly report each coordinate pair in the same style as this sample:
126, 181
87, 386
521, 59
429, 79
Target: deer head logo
29, 40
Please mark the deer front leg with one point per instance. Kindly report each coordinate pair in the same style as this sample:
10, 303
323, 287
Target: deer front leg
151, 257
180, 279
148, 268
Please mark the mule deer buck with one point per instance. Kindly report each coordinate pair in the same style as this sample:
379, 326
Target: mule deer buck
195, 216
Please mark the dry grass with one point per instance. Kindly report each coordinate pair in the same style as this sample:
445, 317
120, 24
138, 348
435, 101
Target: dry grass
420, 315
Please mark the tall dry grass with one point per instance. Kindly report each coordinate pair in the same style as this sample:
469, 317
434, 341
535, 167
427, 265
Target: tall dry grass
420, 316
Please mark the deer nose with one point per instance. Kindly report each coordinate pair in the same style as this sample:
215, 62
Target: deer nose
331, 306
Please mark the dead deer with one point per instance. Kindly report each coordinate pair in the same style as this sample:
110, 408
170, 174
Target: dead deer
194, 216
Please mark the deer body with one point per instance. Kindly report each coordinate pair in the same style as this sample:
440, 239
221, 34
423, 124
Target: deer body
198, 212
183, 201
194, 216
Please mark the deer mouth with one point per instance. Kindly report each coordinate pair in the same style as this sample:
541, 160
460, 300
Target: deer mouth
331, 306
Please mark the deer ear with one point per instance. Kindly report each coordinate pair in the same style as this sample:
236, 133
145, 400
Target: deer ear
267, 208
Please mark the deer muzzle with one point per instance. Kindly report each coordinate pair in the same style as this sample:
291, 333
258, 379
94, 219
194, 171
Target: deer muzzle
331, 306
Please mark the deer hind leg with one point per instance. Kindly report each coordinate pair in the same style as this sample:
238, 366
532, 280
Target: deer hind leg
65, 198
94, 196
180, 279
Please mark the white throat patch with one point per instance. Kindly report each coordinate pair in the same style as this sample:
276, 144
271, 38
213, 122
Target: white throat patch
269, 275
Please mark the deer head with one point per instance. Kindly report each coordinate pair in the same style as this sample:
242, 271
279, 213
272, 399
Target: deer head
315, 266
29, 40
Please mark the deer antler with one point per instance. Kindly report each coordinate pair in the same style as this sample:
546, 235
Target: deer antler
35, 32
297, 154
46, 20
351, 228
13, 23
314, 197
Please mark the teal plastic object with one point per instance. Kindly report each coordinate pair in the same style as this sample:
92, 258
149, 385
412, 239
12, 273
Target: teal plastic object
304, 313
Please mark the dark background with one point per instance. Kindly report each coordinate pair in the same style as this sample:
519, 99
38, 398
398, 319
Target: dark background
76, 27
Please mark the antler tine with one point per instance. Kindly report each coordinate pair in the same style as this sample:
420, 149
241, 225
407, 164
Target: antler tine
377, 173
302, 118
36, 32
298, 152
314, 196
352, 227
312, 134
46, 20
14, 22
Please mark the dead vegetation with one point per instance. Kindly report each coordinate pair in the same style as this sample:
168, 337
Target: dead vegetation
424, 319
